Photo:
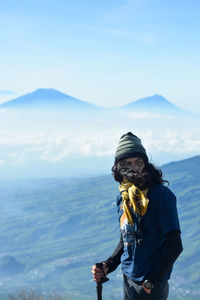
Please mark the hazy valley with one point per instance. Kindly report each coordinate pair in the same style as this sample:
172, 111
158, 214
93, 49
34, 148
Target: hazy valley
54, 229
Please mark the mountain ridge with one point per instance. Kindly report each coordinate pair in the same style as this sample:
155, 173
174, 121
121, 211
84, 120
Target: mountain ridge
180, 164
52, 97
46, 98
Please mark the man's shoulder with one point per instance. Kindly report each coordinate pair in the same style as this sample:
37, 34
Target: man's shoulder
160, 189
161, 194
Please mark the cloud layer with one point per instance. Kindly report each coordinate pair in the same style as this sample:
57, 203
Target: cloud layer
20, 146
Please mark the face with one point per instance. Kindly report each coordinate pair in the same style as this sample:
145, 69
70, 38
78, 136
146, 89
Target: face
134, 163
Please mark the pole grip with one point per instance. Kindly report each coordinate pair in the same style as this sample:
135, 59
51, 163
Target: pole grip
104, 278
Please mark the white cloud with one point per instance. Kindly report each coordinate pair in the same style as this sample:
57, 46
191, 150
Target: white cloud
89, 143
57, 145
173, 142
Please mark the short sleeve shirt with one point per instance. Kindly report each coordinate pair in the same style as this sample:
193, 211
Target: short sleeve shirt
161, 217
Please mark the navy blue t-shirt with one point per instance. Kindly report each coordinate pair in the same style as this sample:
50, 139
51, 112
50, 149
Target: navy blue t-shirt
161, 217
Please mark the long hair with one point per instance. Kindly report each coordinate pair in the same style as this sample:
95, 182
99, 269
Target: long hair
149, 176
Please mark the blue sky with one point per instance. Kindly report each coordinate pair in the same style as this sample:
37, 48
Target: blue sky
105, 52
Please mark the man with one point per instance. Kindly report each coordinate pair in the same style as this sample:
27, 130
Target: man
150, 231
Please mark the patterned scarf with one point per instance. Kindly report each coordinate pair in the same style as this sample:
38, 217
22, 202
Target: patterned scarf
133, 197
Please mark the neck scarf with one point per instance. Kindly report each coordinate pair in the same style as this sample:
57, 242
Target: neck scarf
133, 197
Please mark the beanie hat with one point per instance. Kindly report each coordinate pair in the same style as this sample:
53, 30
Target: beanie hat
130, 146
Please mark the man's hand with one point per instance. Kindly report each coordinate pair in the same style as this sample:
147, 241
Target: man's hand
148, 291
98, 273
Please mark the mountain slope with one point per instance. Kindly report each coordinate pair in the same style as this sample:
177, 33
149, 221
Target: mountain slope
57, 228
47, 98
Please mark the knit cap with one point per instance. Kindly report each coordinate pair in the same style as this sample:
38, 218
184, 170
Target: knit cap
130, 146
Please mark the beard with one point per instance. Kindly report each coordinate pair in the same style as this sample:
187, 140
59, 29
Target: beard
137, 177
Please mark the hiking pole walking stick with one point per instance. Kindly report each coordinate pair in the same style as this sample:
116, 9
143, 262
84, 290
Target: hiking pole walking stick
99, 283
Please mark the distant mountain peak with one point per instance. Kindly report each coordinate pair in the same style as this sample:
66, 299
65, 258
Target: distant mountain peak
154, 103
43, 98
156, 98
48, 91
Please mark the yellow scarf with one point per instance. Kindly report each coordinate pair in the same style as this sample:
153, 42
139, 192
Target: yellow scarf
133, 196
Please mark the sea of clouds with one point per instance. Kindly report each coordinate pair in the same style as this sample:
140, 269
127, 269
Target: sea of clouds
35, 138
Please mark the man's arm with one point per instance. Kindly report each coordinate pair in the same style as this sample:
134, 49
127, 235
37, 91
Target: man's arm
166, 216
173, 248
115, 259
110, 264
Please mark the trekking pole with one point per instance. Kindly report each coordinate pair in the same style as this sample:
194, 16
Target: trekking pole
99, 283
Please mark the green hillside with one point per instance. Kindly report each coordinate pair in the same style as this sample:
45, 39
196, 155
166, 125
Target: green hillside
57, 228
